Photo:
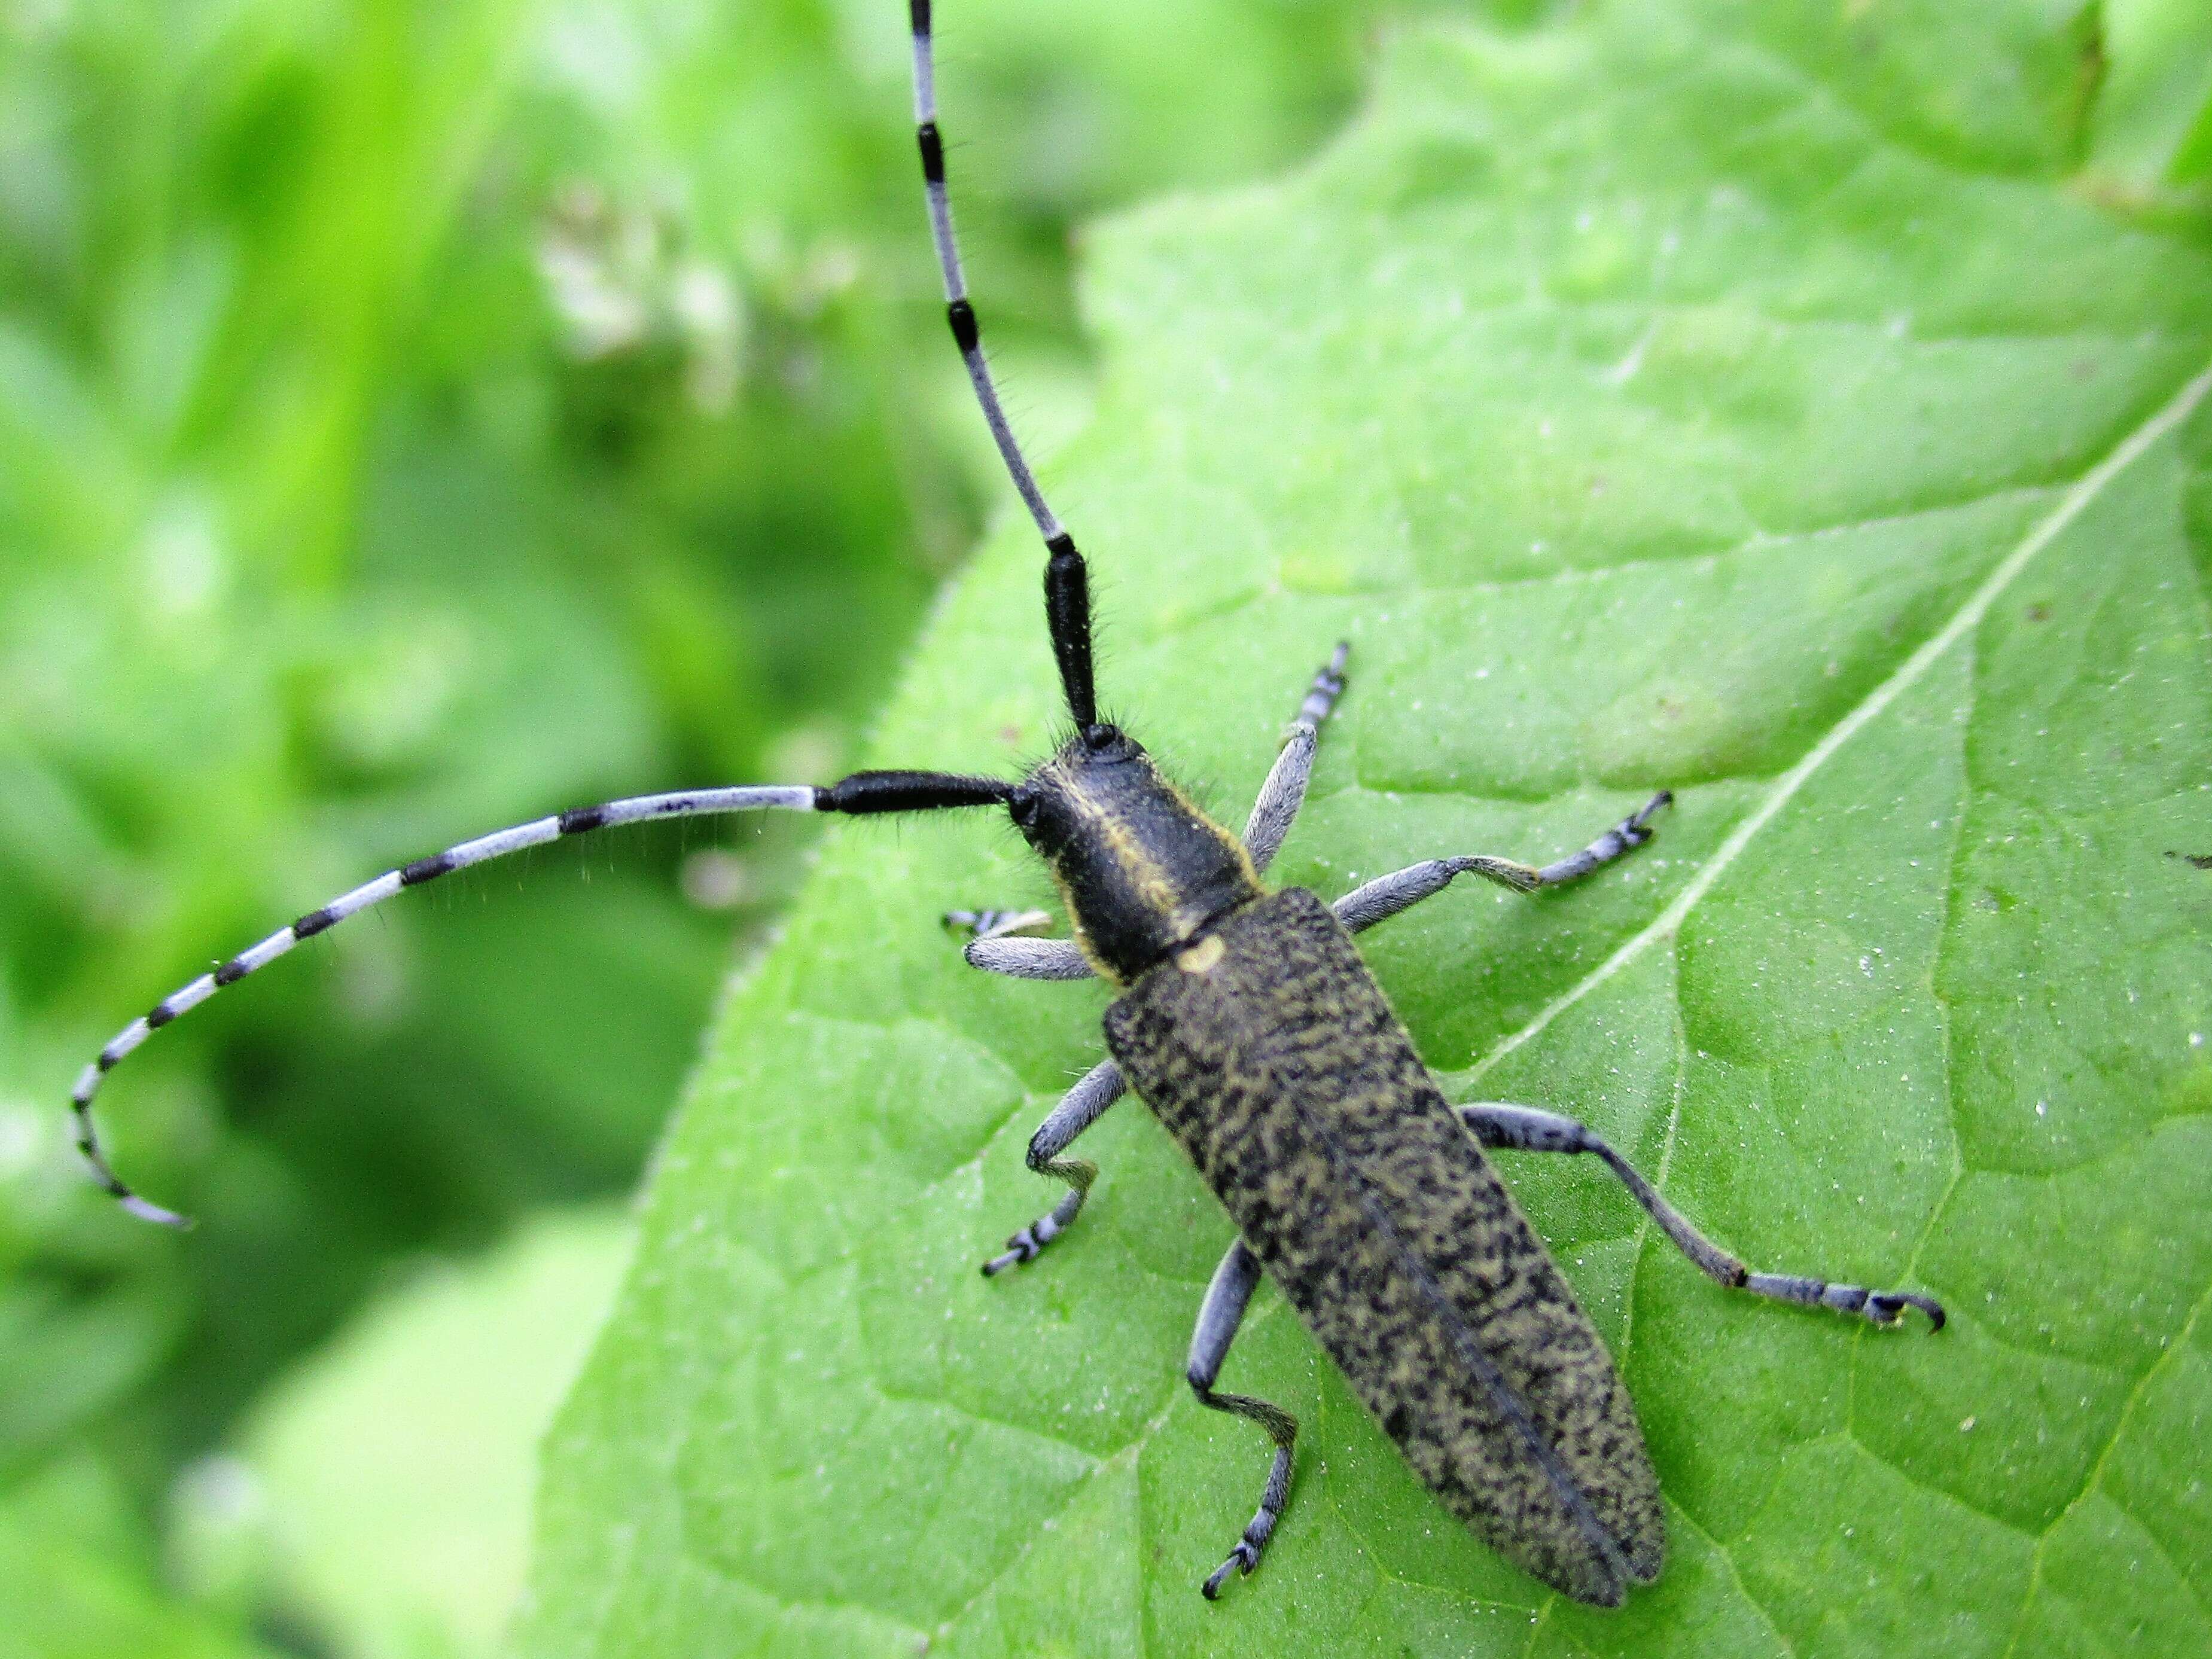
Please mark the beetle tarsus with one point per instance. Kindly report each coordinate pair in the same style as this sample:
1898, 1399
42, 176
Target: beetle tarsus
1879, 1308
1027, 1244
1886, 1308
1243, 1559
1024, 1248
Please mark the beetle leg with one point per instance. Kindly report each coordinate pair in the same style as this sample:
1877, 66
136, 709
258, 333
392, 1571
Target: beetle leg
1027, 958
1631, 833
1079, 1108
1526, 1129
1284, 791
1386, 895
996, 924
1004, 942
1218, 1316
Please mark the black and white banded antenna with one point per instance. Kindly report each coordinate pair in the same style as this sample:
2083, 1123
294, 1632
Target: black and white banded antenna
1067, 582
862, 793
1067, 613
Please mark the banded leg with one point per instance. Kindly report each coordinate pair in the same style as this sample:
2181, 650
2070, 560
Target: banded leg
1284, 791
862, 793
1218, 1316
1386, 895
1272, 814
1079, 1108
1526, 1129
996, 924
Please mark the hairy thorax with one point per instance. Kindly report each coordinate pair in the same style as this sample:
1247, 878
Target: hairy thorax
1142, 870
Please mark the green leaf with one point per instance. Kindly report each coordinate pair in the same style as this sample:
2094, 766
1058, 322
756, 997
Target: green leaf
2153, 118
1655, 399
75, 1581
392, 1471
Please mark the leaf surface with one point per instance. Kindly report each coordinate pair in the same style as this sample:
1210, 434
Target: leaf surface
78, 1579
1684, 395
392, 1471
2154, 116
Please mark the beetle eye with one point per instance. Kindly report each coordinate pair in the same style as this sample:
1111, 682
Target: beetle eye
1023, 807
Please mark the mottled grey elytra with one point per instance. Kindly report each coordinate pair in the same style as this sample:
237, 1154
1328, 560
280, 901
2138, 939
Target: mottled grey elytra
1277, 1064
1249, 1024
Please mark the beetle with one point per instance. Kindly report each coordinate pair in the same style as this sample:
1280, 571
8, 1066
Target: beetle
1248, 1022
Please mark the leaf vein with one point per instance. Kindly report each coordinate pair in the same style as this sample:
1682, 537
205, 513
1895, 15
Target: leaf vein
1969, 615
2096, 1476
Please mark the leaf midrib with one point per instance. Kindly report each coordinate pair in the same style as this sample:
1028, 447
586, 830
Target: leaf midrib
1969, 615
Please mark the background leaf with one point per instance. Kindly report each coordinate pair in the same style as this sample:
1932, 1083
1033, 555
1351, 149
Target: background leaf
78, 1583
393, 1477
2153, 113
1716, 395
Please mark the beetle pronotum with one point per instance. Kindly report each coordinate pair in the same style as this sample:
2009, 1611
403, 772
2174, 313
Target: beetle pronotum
1249, 1024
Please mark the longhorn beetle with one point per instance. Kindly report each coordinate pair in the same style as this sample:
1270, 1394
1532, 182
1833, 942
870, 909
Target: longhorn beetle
1249, 1024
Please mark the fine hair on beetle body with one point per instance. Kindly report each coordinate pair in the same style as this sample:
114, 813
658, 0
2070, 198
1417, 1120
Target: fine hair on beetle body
1246, 1019
1141, 871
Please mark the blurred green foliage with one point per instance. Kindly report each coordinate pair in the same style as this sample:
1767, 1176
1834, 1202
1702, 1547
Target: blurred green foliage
387, 1485
416, 416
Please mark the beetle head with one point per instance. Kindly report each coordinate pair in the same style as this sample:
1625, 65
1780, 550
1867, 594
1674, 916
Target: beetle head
1142, 869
